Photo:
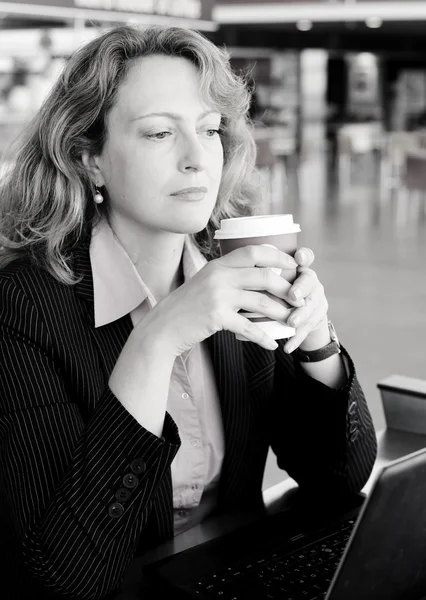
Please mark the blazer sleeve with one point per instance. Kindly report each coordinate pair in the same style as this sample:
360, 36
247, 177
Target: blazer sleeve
62, 472
323, 437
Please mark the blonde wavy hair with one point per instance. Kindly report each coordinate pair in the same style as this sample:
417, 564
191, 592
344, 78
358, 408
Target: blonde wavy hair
46, 195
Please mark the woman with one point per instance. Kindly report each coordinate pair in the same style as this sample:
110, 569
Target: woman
129, 411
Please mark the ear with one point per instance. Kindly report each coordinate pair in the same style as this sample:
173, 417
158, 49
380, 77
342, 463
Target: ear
92, 165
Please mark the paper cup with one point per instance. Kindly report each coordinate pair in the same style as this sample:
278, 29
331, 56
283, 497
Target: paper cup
278, 231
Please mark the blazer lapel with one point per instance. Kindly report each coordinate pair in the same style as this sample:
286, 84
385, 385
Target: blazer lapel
228, 364
110, 340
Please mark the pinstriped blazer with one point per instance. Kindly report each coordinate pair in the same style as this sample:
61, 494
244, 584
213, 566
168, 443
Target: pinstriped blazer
66, 442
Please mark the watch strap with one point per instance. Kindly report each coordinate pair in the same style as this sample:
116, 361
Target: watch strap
317, 355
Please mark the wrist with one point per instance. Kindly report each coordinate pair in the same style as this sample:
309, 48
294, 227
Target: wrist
153, 340
329, 346
156, 347
318, 338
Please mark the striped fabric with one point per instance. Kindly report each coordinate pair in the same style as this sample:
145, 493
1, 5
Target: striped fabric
66, 442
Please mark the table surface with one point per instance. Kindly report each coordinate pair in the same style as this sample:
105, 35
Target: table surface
392, 444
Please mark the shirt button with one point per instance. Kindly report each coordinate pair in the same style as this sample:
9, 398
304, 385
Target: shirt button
182, 513
130, 481
185, 396
194, 443
123, 494
115, 510
137, 466
194, 487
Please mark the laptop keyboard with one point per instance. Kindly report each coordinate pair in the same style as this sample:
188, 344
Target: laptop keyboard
304, 574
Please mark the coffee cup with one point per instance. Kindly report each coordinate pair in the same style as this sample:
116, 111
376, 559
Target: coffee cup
278, 231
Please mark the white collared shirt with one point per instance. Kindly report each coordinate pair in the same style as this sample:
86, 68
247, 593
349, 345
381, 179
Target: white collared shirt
193, 399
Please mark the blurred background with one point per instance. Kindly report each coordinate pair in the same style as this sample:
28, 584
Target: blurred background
339, 113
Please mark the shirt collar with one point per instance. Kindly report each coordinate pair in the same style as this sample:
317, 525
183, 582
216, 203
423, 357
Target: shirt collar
117, 286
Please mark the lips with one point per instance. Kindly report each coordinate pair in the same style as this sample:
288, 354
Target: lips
191, 194
190, 191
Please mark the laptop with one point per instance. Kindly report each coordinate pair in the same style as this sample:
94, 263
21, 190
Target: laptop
364, 548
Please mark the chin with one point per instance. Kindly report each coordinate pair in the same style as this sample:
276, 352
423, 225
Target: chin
189, 227
190, 223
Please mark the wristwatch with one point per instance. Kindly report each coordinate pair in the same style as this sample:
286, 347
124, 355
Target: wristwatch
321, 353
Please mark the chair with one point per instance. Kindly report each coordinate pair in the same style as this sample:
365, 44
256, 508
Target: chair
404, 403
273, 146
354, 139
396, 146
414, 176
421, 137
264, 157
412, 193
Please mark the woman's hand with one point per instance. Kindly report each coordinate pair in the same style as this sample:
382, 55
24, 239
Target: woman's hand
211, 300
307, 295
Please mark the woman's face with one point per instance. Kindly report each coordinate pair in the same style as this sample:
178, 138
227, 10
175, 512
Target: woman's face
163, 158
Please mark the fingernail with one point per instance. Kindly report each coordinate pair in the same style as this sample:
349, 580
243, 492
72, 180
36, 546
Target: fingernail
294, 322
297, 293
272, 345
289, 348
302, 255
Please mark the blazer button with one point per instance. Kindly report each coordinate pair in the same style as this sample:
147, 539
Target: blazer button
354, 436
353, 426
130, 481
123, 494
115, 510
137, 466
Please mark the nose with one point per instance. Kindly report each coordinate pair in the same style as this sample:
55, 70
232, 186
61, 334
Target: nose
192, 157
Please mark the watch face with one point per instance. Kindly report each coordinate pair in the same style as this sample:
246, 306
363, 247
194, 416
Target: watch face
333, 333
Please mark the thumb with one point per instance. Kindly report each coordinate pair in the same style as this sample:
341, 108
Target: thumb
304, 257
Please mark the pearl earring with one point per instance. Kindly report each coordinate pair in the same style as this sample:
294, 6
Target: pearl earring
98, 198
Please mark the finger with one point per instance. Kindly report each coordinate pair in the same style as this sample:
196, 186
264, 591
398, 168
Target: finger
303, 285
300, 316
250, 331
308, 318
304, 330
262, 278
304, 257
258, 256
262, 304
295, 341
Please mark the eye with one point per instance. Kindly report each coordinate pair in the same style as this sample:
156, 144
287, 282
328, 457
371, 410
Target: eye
212, 132
161, 135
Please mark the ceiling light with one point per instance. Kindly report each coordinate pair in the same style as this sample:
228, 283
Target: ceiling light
373, 22
304, 25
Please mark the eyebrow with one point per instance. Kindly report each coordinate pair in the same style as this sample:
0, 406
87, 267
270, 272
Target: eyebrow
174, 116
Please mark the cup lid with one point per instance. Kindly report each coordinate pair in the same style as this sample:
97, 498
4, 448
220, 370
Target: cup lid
256, 226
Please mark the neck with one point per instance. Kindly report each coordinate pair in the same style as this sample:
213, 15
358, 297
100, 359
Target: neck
157, 256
